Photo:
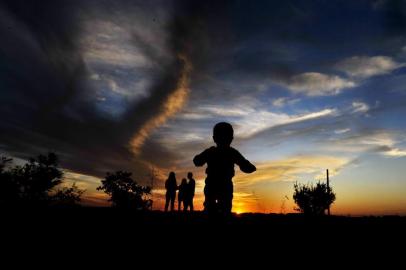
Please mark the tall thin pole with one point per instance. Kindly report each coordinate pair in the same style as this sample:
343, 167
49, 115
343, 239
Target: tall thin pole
328, 189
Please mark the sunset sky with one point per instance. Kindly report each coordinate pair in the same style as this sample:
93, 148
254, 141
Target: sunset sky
139, 85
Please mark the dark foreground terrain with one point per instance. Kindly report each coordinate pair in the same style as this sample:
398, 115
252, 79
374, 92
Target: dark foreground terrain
109, 219
109, 231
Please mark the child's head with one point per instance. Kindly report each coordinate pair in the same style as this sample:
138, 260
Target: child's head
184, 181
223, 134
189, 175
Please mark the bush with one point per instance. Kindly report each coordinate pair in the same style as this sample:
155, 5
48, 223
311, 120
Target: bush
313, 200
33, 184
67, 196
125, 192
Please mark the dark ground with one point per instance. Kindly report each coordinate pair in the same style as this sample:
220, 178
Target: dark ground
156, 221
113, 233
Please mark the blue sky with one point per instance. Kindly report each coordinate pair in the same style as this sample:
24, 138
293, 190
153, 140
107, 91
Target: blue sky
307, 85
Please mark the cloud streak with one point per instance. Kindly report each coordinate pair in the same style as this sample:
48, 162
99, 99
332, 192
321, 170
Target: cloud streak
173, 104
293, 169
318, 84
383, 142
364, 67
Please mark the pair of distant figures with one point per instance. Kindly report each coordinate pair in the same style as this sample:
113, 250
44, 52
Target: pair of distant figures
185, 194
220, 160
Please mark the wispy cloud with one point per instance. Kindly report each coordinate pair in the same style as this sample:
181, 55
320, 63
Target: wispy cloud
251, 120
210, 111
360, 107
341, 131
292, 169
395, 152
318, 84
365, 66
357, 69
383, 142
283, 101
259, 121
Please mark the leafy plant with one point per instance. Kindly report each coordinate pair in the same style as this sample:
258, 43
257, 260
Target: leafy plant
313, 200
125, 192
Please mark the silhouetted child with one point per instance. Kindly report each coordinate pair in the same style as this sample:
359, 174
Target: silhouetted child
182, 194
171, 187
220, 161
190, 192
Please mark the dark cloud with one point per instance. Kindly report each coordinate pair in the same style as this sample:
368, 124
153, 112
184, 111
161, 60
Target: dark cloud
46, 103
44, 100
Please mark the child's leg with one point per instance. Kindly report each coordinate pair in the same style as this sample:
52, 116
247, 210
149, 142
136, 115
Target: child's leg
228, 204
226, 198
209, 199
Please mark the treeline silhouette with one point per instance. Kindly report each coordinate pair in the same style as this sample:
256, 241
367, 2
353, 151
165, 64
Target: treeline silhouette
37, 184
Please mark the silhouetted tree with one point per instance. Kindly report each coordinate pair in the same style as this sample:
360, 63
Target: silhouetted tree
9, 188
37, 177
33, 183
313, 200
125, 192
67, 196
3, 163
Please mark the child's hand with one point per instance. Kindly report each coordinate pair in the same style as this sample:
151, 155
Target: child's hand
247, 167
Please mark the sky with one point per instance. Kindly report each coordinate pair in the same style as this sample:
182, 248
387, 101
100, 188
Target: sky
139, 85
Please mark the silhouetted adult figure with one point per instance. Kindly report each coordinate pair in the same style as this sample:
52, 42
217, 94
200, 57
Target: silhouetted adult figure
171, 187
191, 192
182, 194
220, 159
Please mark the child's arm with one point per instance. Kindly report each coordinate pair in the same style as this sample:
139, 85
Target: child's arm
200, 159
244, 164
